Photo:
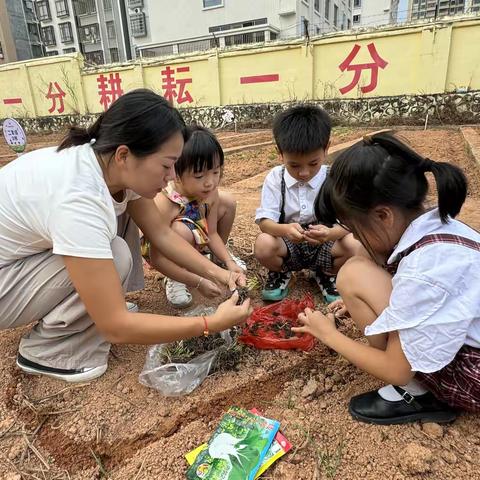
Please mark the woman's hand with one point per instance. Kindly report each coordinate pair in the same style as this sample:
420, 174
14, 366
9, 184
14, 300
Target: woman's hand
231, 279
229, 314
209, 289
316, 323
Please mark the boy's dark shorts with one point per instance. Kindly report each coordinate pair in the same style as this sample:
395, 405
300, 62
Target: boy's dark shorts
307, 256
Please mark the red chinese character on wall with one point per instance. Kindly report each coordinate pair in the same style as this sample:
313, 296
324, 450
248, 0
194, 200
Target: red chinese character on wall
109, 88
170, 85
378, 62
55, 93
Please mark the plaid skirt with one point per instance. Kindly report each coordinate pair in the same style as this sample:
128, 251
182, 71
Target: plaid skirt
457, 384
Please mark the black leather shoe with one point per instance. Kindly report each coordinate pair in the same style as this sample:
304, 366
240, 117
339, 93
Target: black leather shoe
370, 407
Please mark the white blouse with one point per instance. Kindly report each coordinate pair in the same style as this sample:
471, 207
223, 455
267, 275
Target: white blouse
435, 301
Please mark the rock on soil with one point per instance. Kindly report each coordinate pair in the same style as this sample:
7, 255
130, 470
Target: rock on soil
415, 459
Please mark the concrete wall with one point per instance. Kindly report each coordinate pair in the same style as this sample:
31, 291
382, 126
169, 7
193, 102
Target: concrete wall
422, 59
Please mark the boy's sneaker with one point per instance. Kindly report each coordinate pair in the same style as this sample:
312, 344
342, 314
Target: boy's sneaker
276, 287
327, 286
177, 293
77, 375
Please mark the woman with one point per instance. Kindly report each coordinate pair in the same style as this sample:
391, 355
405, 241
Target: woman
63, 260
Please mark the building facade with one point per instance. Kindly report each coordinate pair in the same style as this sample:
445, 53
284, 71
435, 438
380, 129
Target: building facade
425, 9
374, 13
19, 31
163, 27
96, 28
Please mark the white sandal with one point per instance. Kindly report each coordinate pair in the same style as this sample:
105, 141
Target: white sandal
177, 293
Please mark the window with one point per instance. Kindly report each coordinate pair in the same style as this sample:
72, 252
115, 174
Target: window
107, 5
66, 34
335, 15
52, 53
134, 3
94, 57
114, 55
138, 25
43, 10
48, 36
69, 50
85, 7
62, 8
212, 3
90, 33
357, 3
349, 23
327, 9
316, 5
1, 51
356, 19
344, 21
111, 33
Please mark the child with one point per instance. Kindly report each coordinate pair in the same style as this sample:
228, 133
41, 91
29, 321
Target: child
423, 326
290, 241
199, 213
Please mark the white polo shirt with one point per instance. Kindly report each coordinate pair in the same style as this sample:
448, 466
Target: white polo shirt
299, 196
435, 301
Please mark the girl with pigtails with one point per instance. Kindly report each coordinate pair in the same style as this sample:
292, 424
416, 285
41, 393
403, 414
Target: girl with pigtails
417, 296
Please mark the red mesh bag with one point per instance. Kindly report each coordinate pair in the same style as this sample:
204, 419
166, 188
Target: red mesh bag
270, 327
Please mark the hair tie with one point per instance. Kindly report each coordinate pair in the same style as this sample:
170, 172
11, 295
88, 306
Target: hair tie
92, 141
426, 165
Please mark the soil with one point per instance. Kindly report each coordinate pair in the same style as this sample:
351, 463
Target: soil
118, 429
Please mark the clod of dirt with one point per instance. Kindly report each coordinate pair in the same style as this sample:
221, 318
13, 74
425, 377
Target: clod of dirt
449, 457
310, 389
286, 471
415, 459
433, 430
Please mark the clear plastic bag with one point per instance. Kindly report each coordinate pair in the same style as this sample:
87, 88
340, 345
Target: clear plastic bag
177, 379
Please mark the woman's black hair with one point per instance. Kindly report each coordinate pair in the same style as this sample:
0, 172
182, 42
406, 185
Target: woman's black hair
201, 151
382, 170
140, 119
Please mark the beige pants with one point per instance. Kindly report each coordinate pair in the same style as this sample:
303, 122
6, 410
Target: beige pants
38, 288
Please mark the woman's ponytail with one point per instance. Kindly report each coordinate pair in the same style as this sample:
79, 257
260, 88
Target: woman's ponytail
451, 188
80, 135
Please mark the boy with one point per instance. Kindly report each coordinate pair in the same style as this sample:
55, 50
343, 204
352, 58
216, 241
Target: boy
290, 239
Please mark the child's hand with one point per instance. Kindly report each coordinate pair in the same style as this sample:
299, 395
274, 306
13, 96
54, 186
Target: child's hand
294, 232
316, 323
317, 234
209, 289
338, 308
229, 314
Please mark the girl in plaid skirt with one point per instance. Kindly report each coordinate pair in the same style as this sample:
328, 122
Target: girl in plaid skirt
417, 296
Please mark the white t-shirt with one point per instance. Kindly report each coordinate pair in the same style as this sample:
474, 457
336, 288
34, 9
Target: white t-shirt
435, 301
299, 196
60, 201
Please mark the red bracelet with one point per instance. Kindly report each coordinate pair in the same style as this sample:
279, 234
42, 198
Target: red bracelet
205, 331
